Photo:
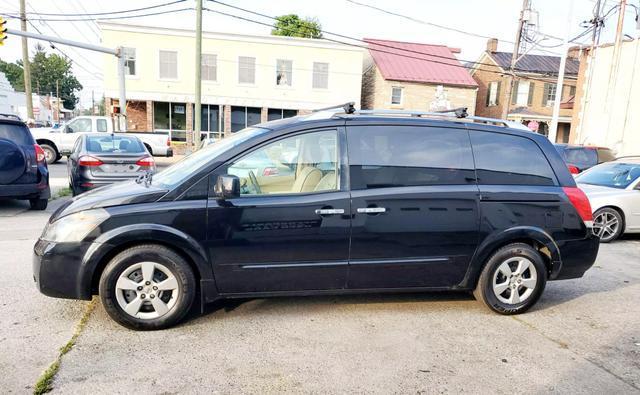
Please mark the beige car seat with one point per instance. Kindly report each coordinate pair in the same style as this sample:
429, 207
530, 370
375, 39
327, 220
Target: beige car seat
327, 183
306, 180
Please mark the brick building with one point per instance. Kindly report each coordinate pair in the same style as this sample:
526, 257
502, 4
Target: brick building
411, 76
531, 101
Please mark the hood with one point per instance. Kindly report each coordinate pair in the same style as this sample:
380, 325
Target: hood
122, 193
43, 131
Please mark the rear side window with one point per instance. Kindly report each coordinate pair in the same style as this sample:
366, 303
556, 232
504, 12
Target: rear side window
115, 144
397, 156
581, 157
605, 155
101, 125
17, 133
503, 159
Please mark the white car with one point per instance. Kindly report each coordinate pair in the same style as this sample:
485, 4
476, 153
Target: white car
613, 189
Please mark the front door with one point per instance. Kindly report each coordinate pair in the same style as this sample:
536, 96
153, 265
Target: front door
414, 206
289, 229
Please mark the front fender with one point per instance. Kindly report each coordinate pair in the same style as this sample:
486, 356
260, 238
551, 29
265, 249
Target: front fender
141, 233
499, 238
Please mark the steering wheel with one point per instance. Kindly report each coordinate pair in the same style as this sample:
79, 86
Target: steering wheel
254, 181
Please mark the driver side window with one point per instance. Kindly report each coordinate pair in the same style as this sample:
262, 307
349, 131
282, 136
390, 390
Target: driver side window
300, 164
79, 126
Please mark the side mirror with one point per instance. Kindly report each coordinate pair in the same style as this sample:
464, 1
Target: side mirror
67, 129
227, 187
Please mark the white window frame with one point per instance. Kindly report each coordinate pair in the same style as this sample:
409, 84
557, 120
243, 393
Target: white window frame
551, 94
127, 59
493, 93
401, 95
289, 70
254, 70
160, 77
317, 73
214, 66
523, 94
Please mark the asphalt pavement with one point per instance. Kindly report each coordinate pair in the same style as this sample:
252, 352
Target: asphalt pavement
582, 337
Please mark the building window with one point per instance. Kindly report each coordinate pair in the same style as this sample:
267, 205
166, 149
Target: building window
129, 61
209, 67
284, 72
171, 117
396, 95
169, 64
572, 90
209, 120
242, 117
549, 94
320, 75
279, 113
246, 70
493, 93
522, 93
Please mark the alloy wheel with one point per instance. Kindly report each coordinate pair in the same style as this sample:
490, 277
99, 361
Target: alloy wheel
515, 280
605, 225
147, 290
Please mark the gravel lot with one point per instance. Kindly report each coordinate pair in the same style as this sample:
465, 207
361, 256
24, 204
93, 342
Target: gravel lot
582, 337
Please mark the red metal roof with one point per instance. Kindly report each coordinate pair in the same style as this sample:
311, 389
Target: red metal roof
413, 62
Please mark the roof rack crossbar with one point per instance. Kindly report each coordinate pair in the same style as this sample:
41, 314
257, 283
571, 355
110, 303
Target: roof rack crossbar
348, 108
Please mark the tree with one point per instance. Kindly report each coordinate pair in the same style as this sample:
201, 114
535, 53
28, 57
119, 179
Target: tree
47, 69
292, 25
14, 74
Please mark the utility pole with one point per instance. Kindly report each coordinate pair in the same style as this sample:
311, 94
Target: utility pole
553, 130
197, 113
514, 60
615, 65
25, 60
58, 100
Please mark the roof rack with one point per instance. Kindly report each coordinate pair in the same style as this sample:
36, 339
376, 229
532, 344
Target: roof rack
10, 116
627, 156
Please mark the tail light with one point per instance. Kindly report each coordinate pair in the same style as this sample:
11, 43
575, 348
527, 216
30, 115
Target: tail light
580, 202
573, 169
168, 142
89, 161
146, 162
270, 171
40, 156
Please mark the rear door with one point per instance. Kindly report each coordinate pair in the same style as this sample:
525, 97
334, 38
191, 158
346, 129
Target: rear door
17, 155
414, 206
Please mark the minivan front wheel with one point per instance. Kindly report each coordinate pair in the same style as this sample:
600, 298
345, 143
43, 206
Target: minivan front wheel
147, 287
512, 280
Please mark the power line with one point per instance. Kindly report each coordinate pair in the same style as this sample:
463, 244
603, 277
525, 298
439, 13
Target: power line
109, 12
101, 18
452, 61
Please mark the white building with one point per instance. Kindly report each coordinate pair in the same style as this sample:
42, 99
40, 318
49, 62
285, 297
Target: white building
245, 79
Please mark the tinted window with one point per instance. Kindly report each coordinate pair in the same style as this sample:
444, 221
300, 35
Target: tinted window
614, 175
17, 133
510, 160
581, 157
115, 144
605, 155
396, 156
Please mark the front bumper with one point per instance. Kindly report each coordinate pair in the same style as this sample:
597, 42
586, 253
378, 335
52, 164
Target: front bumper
577, 257
57, 269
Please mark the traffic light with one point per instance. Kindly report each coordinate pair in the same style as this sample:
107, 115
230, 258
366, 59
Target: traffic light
3, 30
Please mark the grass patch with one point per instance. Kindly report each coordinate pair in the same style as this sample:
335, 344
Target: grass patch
45, 381
61, 193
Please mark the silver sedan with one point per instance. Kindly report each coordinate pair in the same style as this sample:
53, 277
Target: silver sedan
613, 189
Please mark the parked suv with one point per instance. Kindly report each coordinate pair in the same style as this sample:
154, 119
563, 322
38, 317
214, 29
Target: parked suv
580, 158
23, 169
359, 203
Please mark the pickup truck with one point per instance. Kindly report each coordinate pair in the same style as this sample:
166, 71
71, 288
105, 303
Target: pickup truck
57, 142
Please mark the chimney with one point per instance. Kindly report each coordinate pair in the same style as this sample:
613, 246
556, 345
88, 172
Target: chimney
492, 45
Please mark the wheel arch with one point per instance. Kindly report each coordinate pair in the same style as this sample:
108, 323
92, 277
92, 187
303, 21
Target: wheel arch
48, 142
117, 240
537, 238
619, 210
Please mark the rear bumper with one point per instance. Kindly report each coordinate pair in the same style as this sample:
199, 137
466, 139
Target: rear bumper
577, 257
26, 191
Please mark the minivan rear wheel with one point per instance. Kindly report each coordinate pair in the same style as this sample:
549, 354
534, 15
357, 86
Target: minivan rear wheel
512, 279
147, 287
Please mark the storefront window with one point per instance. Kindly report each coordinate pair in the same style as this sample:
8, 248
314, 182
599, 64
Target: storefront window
242, 117
209, 121
161, 115
172, 117
279, 113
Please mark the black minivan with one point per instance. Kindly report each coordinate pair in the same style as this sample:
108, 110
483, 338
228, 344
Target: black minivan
328, 203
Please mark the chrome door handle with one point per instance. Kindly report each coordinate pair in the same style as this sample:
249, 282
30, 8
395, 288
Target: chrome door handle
371, 210
329, 211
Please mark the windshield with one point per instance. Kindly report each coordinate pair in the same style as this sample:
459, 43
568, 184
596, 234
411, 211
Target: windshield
173, 175
614, 175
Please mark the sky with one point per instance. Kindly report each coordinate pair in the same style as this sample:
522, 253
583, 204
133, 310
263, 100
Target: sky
494, 18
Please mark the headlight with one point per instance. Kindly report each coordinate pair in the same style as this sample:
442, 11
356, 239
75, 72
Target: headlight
74, 227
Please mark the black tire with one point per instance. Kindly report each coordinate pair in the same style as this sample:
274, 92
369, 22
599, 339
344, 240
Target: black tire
50, 153
607, 212
178, 267
484, 291
38, 204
